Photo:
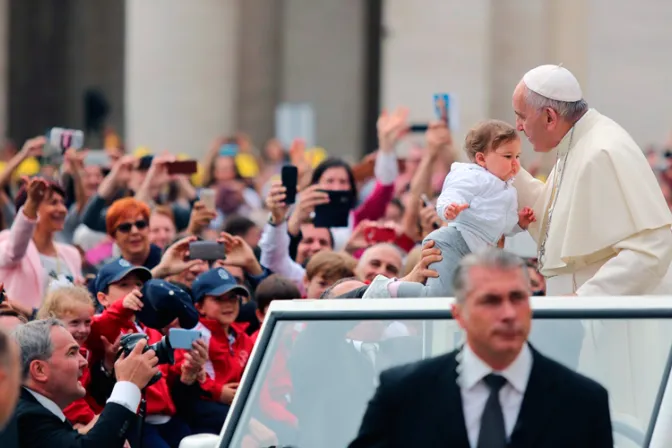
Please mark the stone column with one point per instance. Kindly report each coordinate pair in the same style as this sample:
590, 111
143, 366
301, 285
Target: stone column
180, 74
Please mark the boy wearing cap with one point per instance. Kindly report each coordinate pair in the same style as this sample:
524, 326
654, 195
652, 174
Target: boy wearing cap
118, 286
217, 298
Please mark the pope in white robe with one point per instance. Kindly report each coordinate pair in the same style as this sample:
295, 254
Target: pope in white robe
603, 228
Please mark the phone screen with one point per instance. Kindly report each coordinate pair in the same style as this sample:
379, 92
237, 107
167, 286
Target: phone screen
207, 251
290, 177
183, 167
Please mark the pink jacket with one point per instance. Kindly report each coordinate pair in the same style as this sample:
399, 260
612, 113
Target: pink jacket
20, 266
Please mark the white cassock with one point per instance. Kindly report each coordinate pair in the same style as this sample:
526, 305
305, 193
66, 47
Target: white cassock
603, 228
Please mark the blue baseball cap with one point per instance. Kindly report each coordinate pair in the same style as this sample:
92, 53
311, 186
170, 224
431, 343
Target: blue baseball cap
117, 270
215, 282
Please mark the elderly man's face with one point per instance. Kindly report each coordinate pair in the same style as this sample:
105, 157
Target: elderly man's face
61, 373
382, 259
496, 313
10, 383
535, 124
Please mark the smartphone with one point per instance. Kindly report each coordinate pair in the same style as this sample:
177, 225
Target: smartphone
418, 128
145, 162
184, 339
98, 157
377, 234
65, 138
207, 251
187, 167
337, 212
442, 107
207, 197
228, 150
426, 201
290, 177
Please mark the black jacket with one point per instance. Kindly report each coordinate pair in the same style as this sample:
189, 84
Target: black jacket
38, 427
420, 405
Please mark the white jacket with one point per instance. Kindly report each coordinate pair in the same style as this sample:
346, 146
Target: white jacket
493, 205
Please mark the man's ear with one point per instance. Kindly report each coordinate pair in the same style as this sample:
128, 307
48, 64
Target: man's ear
39, 371
306, 282
456, 310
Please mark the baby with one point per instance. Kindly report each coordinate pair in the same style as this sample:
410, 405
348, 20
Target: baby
478, 201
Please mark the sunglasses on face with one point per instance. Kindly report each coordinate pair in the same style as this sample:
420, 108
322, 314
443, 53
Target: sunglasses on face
127, 226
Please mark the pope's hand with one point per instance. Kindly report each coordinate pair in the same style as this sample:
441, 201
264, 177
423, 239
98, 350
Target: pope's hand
526, 217
452, 210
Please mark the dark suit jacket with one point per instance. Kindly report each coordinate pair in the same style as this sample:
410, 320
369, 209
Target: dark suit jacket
39, 427
420, 404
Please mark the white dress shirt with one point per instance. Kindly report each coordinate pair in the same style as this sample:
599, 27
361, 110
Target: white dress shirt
475, 392
124, 393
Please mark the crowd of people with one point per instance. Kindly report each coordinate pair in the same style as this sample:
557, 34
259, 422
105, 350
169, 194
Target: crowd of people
91, 252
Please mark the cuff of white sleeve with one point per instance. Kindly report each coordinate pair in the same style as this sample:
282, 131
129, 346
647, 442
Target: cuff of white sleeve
127, 395
386, 168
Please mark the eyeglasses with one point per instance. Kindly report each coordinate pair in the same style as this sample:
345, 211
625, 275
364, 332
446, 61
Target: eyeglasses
127, 226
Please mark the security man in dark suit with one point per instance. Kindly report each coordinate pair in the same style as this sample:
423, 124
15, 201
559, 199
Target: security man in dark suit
496, 391
51, 367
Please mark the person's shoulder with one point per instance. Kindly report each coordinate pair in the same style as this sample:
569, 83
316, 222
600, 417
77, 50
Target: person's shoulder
419, 370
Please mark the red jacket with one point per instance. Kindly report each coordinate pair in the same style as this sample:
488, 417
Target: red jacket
227, 355
277, 386
116, 320
79, 411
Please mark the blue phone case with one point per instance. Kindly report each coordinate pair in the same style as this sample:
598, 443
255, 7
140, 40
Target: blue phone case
181, 338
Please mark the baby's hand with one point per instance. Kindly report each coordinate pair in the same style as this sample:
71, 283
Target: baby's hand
452, 210
132, 301
526, 217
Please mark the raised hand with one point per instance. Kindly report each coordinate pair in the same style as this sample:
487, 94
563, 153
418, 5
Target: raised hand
239, 253
452, 210
37, 191
526, 217
421, 271
275, 202
438, 137
307, 200
133, 301
200, 218
175, 259
391, 127
33, 147
137, 367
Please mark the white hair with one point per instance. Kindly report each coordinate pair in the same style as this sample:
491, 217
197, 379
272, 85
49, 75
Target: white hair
34, 340
567, 110
490, 258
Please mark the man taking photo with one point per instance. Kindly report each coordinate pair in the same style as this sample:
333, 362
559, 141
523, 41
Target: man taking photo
51, 365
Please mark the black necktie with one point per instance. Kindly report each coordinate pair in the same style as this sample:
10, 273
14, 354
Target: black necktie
493, 433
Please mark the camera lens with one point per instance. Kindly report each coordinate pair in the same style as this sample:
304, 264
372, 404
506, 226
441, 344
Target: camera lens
163, 350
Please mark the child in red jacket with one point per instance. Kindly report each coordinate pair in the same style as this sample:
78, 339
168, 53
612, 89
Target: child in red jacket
118, 286
217, 297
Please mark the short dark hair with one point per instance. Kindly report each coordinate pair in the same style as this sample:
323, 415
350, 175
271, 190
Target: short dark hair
238, 225
333, 162
4, 348
275, 287
22, 195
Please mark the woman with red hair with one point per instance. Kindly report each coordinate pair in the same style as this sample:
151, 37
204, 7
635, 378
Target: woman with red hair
127, 222
30, 258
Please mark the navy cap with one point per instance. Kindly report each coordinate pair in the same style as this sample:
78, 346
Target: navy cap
216, 282
163, 302
117, 270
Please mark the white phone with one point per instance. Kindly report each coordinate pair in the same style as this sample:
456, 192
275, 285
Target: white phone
207, 197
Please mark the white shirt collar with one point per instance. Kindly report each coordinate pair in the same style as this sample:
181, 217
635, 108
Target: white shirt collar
47, 403
473, 369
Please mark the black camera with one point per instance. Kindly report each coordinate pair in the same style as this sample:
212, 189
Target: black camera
162, 349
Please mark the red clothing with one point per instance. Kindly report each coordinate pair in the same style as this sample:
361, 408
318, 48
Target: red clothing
228, 353
254, 337
79, 410
277, 387
116, 320
374, 206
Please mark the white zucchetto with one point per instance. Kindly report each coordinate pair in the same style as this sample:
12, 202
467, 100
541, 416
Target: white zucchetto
554, 82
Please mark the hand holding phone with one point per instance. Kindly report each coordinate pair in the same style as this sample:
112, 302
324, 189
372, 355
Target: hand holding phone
442, 107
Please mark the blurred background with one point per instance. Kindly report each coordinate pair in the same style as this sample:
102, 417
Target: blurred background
173, 74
